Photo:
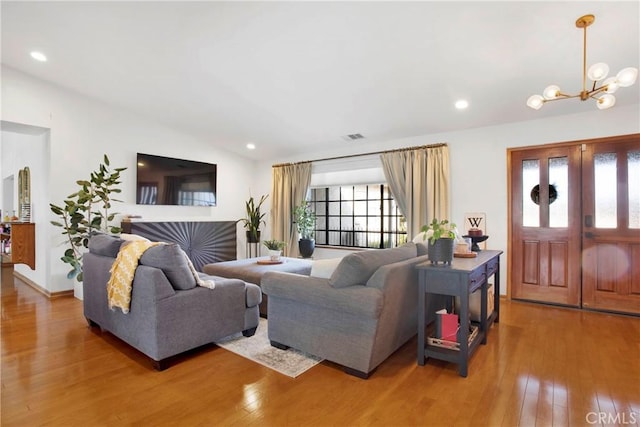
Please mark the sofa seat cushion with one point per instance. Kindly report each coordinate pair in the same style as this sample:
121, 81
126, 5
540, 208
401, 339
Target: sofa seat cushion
357, 268
172, 260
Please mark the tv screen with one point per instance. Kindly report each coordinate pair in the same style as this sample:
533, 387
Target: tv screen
168, 181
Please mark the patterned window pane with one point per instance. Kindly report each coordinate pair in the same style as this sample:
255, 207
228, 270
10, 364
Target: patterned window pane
559, 203
633, 168
605, 177
530, 179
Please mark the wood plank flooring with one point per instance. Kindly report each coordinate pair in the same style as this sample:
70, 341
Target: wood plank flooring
542, 366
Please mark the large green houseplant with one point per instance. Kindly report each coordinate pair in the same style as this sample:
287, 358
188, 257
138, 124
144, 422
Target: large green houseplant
254, 217
86, 211
441, 235
305, 221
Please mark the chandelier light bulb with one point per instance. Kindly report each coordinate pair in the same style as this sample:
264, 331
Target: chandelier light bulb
598, 71
535, 102
611, 84
627, 76
551, 92
606, 101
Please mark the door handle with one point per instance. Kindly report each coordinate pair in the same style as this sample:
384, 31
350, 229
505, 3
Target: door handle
589, 235
588, 220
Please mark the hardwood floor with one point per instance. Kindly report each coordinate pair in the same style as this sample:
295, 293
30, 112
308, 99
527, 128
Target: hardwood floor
542, 366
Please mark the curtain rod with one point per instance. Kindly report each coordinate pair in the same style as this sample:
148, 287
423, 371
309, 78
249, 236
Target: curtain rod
363, 154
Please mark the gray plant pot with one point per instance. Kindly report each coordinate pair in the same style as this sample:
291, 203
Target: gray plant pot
441, 251
306, 247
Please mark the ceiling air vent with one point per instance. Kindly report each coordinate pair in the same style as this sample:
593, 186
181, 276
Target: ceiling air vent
353, 137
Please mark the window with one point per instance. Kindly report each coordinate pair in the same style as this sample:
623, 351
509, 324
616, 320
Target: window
361, 216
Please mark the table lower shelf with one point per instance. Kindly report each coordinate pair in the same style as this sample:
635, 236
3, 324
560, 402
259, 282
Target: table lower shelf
451, 351
452, 345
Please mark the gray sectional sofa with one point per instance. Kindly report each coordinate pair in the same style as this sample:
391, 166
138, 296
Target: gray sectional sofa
358, 316
169, 313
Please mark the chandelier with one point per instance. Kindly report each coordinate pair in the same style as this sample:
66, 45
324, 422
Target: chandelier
603, 87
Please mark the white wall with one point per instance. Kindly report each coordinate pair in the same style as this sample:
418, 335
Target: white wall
479, 162
82, 130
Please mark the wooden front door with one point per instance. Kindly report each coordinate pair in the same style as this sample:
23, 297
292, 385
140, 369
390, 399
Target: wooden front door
575, 224
545, 218
611, 225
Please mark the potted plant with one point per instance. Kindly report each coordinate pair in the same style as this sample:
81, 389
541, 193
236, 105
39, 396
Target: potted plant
275, 248
305, 220
87, 211
441, 235
254, 218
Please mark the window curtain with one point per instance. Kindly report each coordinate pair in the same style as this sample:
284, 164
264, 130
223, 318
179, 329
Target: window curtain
419, 182
289, 187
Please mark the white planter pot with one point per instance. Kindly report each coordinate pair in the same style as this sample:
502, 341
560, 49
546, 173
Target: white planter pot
275, 255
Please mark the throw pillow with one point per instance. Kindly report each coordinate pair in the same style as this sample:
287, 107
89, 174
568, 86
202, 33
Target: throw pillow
133, 238
171, 260
422, 242
324, 268
105, 245
357, 268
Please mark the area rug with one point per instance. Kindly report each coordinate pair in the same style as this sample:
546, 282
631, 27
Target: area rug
257, 348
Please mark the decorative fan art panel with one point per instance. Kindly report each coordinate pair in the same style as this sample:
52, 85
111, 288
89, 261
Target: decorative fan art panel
204, 242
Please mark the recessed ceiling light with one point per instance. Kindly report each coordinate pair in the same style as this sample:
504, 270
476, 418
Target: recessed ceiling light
462, 104
251, 146
39, 56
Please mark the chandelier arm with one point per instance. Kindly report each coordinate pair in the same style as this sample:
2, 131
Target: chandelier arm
562, 96
565, 96
598, 91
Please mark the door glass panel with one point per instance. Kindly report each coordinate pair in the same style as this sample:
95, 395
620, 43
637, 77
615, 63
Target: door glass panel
559, 192
530, 179
605, 178
633, 168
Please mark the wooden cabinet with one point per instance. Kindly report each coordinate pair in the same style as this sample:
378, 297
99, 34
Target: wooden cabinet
23, 244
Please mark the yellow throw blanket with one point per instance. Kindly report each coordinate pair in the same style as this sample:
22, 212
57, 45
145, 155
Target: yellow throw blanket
122, 272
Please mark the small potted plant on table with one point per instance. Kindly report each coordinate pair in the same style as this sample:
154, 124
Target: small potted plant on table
275, 248
441, 236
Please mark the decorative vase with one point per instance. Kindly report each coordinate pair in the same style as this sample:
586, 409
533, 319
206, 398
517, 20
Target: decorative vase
306, 247
441, 250
275, 255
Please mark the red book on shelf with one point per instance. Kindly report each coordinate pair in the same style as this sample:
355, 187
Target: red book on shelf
447, 326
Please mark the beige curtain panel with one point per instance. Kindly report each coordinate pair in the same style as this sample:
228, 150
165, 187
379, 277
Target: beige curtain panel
419, 181
289, 186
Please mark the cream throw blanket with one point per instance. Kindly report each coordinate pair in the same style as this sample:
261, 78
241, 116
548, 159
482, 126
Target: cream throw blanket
123, 271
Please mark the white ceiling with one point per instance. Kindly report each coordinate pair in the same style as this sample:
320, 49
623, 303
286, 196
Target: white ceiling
295, 76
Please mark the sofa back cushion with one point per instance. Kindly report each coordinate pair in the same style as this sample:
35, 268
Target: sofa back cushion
324, 268
105, 245
172, 260
357, 268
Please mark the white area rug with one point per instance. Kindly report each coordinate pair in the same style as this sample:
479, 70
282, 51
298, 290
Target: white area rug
257, 348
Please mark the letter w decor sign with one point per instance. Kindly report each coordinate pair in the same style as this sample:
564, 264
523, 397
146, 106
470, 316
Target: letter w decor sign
475, 220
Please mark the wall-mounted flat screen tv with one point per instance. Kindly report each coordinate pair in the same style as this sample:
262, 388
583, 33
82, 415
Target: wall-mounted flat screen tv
168, 181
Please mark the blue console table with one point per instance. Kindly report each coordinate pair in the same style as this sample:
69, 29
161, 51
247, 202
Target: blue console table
460, 279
